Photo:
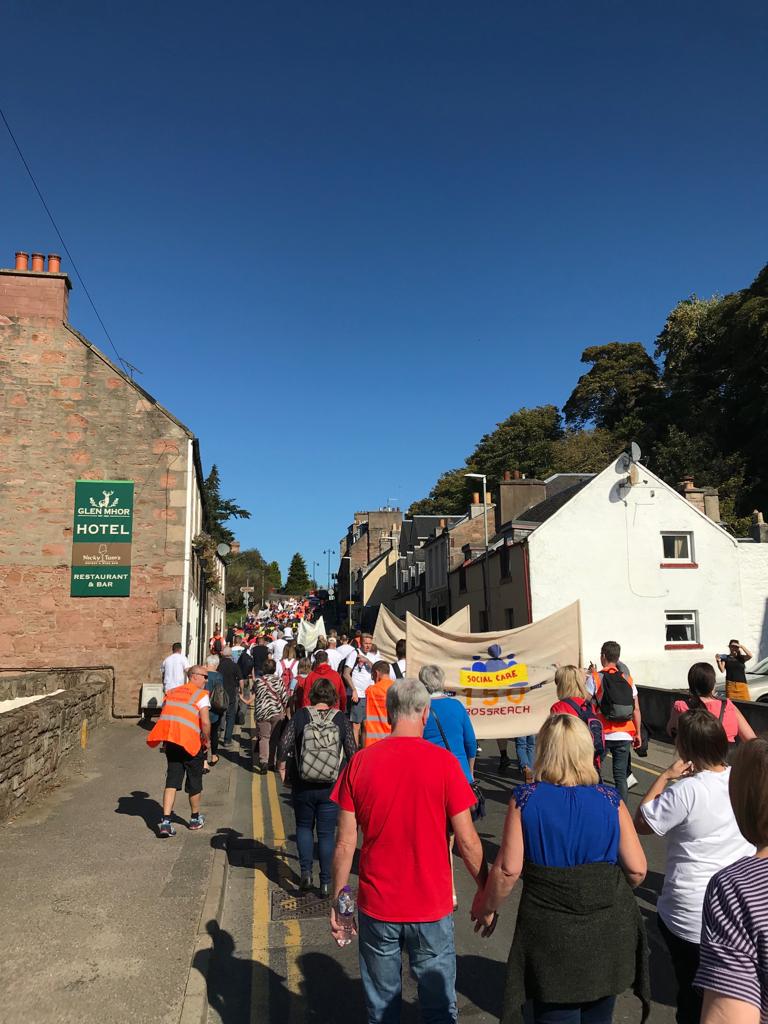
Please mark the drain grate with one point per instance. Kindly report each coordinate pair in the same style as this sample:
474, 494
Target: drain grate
288, 906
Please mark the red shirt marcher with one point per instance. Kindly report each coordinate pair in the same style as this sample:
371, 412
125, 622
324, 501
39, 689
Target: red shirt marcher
323, 672
561, 708
402, 792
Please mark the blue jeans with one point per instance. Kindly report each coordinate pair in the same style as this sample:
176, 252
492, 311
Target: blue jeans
313, 807
598, 1012
432, 956
525, 747
620, 751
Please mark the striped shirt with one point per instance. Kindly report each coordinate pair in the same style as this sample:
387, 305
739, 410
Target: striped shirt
734, 938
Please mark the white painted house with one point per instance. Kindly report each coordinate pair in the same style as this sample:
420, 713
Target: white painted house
650, 570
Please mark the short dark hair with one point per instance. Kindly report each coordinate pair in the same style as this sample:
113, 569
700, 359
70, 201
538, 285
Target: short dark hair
176, 647
321, 657
323, 692
701, 681
747, 787
611, 651
400, 649
733, 642
269, 666
701, 739
381, 668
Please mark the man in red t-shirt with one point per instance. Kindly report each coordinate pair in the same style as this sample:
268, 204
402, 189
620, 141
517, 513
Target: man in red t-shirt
402, 793
322, 670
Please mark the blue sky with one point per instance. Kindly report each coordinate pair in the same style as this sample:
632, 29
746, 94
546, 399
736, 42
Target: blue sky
348, 238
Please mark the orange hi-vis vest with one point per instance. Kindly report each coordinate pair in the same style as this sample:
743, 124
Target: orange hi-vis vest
609, 727
376, 725
179, 720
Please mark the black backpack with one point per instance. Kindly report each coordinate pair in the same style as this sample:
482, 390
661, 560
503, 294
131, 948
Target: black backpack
586, 712
396, 669
616, 702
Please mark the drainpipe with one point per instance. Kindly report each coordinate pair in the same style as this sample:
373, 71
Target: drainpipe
187, 553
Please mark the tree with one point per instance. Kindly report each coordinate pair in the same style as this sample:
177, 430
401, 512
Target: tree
298, 581
584, 451
622, 385
219, 509
249, 566
450, 496
522, 441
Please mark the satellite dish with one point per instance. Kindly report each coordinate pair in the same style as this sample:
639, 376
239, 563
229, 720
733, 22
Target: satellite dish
634, 452
223, 550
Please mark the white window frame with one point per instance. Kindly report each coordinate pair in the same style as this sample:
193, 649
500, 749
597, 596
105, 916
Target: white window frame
690, 559
691, 622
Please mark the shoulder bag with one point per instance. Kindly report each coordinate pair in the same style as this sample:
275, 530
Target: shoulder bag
478, 808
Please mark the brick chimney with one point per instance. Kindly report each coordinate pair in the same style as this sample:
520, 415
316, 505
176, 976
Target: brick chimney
705, 499
516, 494
36, 293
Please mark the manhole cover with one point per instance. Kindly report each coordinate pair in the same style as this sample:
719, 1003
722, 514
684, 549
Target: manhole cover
288, 906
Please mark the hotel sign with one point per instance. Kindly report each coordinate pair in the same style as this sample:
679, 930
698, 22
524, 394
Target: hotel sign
102, 534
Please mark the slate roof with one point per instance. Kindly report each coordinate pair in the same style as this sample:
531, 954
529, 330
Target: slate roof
541, 512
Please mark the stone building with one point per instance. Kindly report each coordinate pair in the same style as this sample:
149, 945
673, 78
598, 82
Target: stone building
70, 414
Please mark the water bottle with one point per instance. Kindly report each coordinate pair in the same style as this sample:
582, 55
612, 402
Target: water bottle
345, 911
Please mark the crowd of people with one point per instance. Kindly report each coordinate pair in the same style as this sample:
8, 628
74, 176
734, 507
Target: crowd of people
365, 748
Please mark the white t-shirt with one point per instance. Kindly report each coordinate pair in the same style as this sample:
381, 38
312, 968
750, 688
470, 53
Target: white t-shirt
361, 677
174, 670
400, 664
344, 651
620, 734
335, 657
276, 649
696, 816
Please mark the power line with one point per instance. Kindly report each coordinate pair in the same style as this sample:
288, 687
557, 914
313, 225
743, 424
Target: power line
63, 243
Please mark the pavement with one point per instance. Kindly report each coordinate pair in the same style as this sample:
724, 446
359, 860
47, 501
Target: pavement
99, 916
105, 922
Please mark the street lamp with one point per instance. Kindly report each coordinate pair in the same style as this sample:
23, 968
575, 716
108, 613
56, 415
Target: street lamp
349, 602
329, 552
482, 476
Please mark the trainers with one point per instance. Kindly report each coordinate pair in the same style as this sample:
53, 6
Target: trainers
196, 821
166, 829
631, 781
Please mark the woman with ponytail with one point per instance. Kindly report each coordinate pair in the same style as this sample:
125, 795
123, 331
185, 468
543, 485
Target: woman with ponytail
701, 683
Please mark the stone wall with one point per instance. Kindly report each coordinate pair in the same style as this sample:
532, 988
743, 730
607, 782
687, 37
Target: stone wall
37, 740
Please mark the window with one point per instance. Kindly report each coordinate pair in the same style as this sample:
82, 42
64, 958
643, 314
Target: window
677, 550
509, 618
483, 622
504, 569
682, 629
462, 579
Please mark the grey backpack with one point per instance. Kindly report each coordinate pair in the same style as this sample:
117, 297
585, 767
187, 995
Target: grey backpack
320, 747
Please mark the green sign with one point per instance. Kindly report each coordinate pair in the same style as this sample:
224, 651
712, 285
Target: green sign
101, 538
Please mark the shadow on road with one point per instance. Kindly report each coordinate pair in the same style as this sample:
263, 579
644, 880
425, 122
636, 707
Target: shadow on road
141, 805
234, 983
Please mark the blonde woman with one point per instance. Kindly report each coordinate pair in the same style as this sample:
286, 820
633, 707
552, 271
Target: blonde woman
573, 842
571, 687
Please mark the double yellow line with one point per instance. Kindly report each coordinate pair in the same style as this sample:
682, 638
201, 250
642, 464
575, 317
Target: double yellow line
284, 935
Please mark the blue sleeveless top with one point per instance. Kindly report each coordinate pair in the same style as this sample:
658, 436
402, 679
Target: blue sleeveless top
564, 826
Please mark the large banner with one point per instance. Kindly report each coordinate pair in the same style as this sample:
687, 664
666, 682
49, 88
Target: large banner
389, 629
102, 536
309, 632
506, 678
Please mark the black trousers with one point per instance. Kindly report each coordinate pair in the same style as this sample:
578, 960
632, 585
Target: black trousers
685, 962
